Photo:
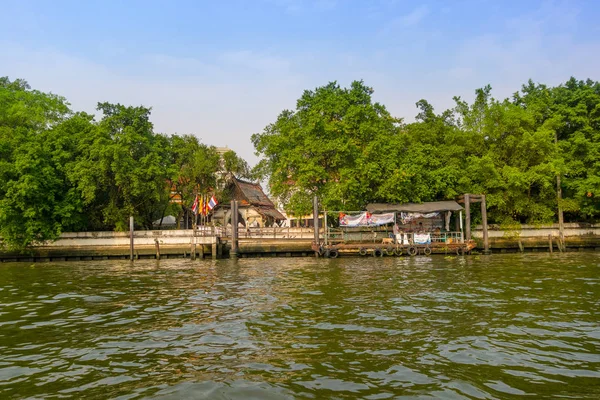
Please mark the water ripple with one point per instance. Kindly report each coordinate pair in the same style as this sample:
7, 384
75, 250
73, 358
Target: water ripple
497, 327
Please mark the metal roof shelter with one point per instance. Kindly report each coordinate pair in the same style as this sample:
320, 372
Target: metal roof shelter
424, 208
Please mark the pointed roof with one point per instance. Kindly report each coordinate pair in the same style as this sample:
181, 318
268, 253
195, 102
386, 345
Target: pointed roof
252, 194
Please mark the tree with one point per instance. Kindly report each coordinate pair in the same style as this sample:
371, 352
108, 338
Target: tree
36, 203
123, 169
195, 166
329, 147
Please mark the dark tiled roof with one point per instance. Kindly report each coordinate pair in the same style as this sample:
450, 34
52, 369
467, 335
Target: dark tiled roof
253, 195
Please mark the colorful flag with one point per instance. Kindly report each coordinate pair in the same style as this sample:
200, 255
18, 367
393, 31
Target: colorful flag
204, 208
212, 203
195, 205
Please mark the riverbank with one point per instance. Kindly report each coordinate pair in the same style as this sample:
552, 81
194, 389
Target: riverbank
277, 242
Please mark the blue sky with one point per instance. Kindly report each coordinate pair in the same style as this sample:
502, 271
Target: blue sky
224, 70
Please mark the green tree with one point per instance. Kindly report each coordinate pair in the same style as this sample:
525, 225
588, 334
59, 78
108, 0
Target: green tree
329, 147
36, 202
123, 169
194, 171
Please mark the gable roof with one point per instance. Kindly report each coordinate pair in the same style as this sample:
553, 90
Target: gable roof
251, 194
427, 207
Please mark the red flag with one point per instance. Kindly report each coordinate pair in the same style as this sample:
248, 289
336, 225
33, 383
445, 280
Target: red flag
204, 206
195, 205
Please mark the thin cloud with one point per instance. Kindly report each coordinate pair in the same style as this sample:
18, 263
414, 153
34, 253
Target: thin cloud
260, 62
410, 20
415, 16
302, 6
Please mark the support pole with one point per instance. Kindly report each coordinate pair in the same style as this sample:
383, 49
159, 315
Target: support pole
467, 216
131, 238
325, 226
234, 229
550, 243
157, 245
462, 234
316, 222
486, 244
561, 221
457, 223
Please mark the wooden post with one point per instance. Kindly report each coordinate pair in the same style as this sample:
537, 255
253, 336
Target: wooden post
325, 226
559, 245
486, 245
457, 221
467, 217
462, 232
234, 229
316, 222
561, 221
157, 245
550, 243
131, 238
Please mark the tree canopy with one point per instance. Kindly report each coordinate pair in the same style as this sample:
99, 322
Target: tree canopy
65, 171
341, 146
62, 170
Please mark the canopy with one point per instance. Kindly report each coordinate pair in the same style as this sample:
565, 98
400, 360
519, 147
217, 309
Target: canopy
168, 220
424, 208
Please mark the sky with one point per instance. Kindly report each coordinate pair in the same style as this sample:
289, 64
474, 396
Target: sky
225, 70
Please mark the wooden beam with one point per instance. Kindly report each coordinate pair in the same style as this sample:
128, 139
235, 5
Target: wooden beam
467, 217
486, 244
316, 222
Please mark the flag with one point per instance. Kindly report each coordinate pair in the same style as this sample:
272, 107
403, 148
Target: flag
204, 208
212, 203
195, 205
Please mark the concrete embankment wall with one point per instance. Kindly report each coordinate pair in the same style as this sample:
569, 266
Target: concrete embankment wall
577, 236
274, 242
166, 244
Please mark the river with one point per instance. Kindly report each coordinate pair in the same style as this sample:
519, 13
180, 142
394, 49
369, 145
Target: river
482, 327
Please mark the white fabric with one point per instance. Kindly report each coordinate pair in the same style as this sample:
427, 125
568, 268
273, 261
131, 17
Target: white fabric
422, 238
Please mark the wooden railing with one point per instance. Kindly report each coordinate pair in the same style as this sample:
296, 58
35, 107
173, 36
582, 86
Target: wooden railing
377, 236
257, 232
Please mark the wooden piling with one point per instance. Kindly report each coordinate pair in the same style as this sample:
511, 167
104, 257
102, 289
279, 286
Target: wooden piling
486, 244
550, 243
316, 222
467, 216
157, 245
234, 229
131, 238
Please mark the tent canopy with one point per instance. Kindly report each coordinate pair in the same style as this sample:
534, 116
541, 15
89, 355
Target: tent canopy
167, 220
424, 208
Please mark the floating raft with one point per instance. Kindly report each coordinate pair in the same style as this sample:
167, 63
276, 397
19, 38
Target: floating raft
392, 249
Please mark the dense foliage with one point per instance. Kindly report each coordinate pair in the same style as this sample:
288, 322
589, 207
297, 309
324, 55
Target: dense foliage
349, 151
64, 171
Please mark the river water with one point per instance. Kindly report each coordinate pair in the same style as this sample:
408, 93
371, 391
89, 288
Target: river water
482, 327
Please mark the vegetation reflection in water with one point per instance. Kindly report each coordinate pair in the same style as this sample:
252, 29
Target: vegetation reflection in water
444, 327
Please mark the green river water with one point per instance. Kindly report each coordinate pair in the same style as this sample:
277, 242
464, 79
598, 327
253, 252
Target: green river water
481, 327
